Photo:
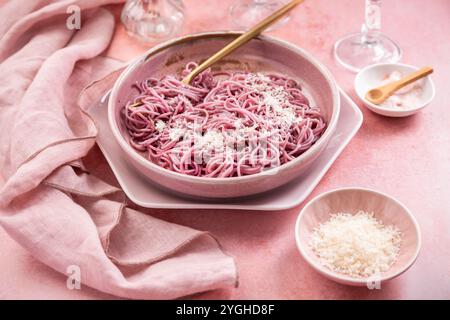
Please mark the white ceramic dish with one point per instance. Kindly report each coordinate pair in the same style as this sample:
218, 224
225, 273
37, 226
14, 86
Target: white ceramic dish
145, 194
385, 208
371, 77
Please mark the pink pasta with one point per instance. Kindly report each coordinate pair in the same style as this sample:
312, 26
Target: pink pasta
223, 124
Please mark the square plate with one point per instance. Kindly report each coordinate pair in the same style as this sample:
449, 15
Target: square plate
144, 193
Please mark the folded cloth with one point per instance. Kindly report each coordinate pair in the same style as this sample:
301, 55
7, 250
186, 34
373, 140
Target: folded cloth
50, 202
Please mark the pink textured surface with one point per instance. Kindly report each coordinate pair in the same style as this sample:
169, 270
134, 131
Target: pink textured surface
407, 158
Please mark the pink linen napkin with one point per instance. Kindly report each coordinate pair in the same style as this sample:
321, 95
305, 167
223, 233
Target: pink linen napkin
50, 201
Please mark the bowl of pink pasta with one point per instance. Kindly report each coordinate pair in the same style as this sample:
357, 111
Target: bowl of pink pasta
249, 124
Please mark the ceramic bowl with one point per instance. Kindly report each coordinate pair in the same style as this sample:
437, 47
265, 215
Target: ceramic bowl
351, 200
371, 77
262, 54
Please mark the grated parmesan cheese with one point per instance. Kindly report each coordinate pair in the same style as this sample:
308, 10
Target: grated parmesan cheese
160, 125
175, 133
279, 113
279, 110
357, 245
211, 140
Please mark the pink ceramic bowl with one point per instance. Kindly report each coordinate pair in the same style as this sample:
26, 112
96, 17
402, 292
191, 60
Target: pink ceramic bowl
263, 54
352, 200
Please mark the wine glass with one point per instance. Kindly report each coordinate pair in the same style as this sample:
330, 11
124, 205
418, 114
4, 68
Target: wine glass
247, 13
153, 20
370, 46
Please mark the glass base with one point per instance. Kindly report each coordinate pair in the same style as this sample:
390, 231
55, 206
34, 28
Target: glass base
354, 53
153, 21
247, 13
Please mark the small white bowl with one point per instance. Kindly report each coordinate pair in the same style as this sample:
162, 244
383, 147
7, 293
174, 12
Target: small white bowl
385, 208
371, 77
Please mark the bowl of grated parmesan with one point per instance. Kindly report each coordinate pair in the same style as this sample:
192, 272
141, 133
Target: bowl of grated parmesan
357, 236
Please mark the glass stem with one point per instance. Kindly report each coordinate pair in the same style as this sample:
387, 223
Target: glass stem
372, 24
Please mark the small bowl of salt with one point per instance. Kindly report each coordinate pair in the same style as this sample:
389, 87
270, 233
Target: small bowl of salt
357, 236
406, 101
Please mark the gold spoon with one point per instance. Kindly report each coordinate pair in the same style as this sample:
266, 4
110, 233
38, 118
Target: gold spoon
243, 39
238, 42
380, 94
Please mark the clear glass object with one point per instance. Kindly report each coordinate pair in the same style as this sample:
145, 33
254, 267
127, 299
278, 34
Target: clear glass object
153, 20
246, 13
355, 51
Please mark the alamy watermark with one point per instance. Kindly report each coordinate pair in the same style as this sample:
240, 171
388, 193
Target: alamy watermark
73, 22
73, 277
258, 149
374, 282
